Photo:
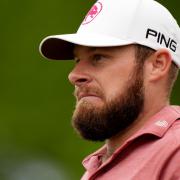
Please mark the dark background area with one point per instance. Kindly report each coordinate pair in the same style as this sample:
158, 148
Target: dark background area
36, 101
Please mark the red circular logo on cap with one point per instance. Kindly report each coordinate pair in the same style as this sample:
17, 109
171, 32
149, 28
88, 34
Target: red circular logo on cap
92, 14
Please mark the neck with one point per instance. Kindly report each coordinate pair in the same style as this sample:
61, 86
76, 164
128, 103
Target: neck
117, 140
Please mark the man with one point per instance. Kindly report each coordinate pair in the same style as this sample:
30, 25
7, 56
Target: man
127, 58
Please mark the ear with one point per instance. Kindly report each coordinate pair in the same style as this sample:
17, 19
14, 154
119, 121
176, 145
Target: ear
159, 64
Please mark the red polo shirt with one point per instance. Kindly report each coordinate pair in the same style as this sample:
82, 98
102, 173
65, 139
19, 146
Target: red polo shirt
152, 153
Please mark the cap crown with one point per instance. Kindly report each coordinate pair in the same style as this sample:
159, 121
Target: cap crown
144, 22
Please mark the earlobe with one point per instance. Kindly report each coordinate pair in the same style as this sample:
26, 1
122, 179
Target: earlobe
160, 64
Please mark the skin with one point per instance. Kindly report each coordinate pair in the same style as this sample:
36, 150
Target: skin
109, 69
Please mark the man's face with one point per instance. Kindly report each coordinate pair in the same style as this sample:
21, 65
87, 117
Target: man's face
108, 89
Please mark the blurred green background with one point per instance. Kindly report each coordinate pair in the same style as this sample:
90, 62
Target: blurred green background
37, 141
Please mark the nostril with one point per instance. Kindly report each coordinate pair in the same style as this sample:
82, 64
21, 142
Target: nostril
81, 81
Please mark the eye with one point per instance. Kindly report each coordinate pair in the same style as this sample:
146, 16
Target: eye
98, 57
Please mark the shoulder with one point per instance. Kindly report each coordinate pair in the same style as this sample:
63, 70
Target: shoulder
175, 131
176, 125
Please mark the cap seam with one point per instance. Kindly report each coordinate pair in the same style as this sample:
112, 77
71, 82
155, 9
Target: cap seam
133, 19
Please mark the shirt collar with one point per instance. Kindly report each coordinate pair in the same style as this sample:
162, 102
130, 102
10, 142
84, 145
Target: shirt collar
159, 124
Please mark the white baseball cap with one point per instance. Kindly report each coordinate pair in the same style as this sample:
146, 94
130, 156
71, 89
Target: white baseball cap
116, 23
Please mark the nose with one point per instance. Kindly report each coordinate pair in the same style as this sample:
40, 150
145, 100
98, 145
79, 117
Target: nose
79, 75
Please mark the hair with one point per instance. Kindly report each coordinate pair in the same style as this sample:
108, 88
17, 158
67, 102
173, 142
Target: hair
143, 52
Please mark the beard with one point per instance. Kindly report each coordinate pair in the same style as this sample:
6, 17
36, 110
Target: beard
116, 115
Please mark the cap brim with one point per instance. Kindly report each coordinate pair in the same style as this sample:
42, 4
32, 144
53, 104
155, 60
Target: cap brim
60, 47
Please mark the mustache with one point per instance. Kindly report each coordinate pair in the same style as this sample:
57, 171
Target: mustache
87, 90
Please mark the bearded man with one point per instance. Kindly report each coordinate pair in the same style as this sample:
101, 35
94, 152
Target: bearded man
127, 58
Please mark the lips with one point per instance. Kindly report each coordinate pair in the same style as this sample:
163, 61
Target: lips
84, 95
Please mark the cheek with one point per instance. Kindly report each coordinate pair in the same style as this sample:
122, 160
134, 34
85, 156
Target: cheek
114, 79
113, 86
